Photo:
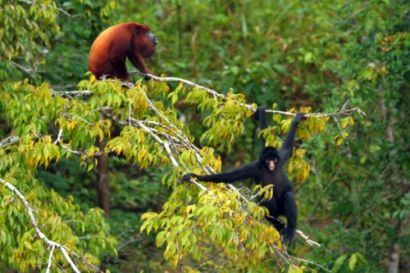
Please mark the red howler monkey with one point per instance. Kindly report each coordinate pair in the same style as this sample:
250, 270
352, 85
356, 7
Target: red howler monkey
115, 44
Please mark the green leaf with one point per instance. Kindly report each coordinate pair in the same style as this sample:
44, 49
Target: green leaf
338, 263
352, 261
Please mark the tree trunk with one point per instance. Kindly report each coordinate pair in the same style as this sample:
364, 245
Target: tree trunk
103, 192
394, 259
394, 179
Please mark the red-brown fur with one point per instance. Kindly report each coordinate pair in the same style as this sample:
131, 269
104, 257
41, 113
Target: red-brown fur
112, 46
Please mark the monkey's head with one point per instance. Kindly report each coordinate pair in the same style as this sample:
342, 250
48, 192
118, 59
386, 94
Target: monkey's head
269, 158
144, 40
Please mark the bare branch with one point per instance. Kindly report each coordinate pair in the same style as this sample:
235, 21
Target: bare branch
67, 148
10, 140
343, 111
50, 259
307, 239
72, 93
152, 106
251, 107
160, 141
212, 92
13, 139
30, 72
60, 132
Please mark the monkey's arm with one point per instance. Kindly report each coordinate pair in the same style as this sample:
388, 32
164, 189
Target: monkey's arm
243, 172
260, 115
286, 150
138, 61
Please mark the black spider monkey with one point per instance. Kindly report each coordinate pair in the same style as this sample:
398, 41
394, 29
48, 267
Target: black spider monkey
268, 170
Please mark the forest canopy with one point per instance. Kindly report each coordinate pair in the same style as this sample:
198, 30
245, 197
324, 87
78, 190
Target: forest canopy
90, 170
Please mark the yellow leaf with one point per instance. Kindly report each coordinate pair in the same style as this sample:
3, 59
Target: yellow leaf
149, 215
305, 109
285, 125
347, 122
295, 269
338, 140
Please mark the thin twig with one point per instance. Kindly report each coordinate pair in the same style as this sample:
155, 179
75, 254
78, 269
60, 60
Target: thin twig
50, 259
58, 139
310, 262
307, 239
321, 115
160, 141
67, 148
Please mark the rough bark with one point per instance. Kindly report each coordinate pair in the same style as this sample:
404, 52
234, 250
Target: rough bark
103, 192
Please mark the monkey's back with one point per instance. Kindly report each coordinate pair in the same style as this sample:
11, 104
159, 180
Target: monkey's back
110, 49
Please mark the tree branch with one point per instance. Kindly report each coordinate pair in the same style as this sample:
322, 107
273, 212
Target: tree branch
23, 69
50, 259
72, 93
10, 140
251, 107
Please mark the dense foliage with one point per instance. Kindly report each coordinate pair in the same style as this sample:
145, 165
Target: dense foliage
351, 171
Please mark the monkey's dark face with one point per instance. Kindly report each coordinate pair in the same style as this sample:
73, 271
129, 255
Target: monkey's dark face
144, 43
153, 38
271, 163
269, 158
